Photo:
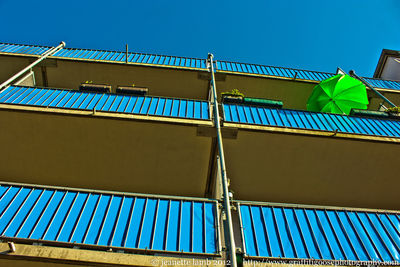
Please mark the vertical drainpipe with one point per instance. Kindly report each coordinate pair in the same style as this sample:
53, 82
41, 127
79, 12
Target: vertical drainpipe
226, 200
37, 61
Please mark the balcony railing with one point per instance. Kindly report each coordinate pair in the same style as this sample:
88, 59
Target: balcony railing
128, 104
140, 58
185, 62
332, 234
111, 56
383, 83
272, 71
103, 220
23, 49
297, 119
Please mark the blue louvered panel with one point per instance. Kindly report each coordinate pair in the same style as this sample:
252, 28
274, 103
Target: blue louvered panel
185, 62
272, 71
327, 234
310, 120
383, 83
23, 49
292, 73
111, 220
132, 58
145, 105
108, 56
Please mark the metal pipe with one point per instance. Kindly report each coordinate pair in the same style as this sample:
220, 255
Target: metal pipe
316, 207
226, 200
40, 59
353, 74
126, 54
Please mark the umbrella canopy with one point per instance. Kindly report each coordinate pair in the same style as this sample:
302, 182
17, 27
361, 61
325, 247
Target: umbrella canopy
338, 94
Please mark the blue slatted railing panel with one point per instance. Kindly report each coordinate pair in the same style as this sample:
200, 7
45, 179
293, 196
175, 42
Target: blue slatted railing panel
293, 73
310, 120
132, 58
272, 71
23, 49
185, 62
108, 220
325, 234
148, 105
383, 83
102, 55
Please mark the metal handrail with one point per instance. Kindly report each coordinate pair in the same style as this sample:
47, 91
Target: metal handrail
107, 192
30, 66
109, 51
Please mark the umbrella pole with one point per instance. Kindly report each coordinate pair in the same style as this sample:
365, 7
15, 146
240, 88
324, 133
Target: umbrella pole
340, 109
353, 74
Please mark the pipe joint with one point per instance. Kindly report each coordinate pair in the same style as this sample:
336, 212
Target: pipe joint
11, 246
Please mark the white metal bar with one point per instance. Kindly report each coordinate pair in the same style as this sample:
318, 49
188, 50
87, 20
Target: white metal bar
30, 66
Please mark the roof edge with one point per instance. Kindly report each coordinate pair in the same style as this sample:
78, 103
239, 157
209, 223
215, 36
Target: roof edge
382, 61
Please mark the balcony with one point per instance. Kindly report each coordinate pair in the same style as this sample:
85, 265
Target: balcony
172, 76
80, 222
166, 76
105, 141
292, 156
293, 86
92, 140
102, 220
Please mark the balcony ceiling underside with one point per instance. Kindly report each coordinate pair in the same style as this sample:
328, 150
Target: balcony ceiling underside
103, 153
301, 169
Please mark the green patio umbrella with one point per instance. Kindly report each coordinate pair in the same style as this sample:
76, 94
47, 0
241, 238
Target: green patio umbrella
338, 94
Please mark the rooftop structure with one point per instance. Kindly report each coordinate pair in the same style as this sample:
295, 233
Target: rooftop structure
388, 65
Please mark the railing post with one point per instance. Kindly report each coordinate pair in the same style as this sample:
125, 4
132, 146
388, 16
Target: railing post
126, 53
225, 190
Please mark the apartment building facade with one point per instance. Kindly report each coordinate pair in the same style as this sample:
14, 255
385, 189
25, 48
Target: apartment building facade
96, 171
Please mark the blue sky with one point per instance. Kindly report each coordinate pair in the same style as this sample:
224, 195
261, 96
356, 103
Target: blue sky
308, 34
